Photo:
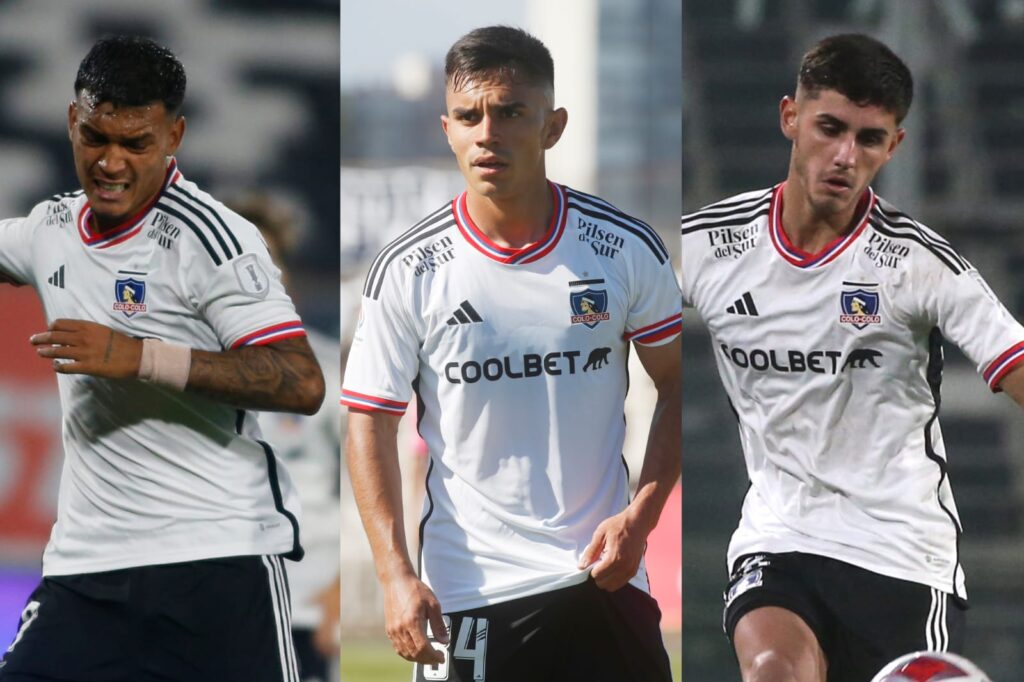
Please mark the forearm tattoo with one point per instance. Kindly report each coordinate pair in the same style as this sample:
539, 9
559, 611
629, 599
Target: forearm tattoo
282, 376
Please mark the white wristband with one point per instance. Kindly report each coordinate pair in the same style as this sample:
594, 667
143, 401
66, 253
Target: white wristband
166, 364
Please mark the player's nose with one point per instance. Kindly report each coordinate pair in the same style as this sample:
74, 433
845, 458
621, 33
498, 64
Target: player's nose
845, 150
112, 161
487, 131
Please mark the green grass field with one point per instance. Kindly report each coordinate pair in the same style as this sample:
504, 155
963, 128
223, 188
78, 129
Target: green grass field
372, 660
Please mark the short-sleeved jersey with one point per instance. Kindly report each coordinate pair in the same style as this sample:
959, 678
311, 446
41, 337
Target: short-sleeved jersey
310, 448
152, 475
518, 360
833, 364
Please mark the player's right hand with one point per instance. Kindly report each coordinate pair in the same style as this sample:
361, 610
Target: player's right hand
408, 605
84, 347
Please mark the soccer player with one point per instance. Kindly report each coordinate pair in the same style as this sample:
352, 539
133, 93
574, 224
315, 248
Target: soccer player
827, 307
531, 549
168, 325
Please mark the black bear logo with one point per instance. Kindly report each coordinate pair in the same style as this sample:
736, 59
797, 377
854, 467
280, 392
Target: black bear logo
859, 358
597, 359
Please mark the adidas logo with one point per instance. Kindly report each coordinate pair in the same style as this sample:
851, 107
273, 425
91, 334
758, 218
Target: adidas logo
464, 314
57, 278
743, 306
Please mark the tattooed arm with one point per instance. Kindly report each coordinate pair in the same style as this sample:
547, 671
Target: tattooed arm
283, 376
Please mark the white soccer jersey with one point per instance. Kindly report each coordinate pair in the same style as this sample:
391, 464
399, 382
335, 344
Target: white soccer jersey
310, 447
518, 359
832, 362
152, 475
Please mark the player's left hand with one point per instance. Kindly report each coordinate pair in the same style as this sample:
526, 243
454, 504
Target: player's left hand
615, 551
82, 347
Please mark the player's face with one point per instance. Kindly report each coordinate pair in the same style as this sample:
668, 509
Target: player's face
499, 131
838, 147
121, 154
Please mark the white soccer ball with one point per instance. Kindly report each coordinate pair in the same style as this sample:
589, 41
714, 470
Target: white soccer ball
931, 666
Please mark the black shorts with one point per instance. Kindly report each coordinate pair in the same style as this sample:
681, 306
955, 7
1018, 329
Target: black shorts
577, 633
862, 620
219, 620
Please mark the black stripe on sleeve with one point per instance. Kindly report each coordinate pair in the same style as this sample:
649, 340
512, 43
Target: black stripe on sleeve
375, 280
602, 210
163, 206
196, 213
713, 217
214, 212
883, 228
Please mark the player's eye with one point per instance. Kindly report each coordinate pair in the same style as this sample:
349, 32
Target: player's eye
90, 138
872, 140
829, 129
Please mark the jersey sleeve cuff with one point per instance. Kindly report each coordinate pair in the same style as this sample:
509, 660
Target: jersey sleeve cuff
657, 332
1002, 365
276, 332
372, 403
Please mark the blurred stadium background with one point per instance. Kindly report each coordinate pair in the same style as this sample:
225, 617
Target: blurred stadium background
261, 106
960, 171
617, 71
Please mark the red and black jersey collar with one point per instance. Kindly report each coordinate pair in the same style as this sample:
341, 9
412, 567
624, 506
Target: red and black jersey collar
831, 251
131, 226
504, 254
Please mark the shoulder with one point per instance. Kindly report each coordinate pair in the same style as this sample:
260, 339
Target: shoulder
734, 211
897, 233
726, 231
418, 247
209, 228
600, 220
57, 209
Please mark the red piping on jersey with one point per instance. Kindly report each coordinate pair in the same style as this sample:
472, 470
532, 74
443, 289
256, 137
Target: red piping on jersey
803, 259
130, 227
1002, 366
504, 254
273, 333
363, 401
658, 331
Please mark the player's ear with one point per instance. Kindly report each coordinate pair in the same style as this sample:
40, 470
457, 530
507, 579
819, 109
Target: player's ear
444, 127
556, 123
895, 142
787, 117
72, 118
177, 134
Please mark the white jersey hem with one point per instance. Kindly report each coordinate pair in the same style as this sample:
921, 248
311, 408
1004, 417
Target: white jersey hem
57, 568
530, 589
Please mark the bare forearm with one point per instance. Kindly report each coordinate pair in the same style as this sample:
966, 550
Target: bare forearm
282, 376
663, 458
371, 451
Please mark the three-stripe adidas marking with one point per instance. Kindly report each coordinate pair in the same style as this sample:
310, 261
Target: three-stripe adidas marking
464, 314
57, 278
743, 305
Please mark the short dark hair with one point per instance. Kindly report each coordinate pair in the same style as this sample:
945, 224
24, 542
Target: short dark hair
862, 69
132, 71
501, 52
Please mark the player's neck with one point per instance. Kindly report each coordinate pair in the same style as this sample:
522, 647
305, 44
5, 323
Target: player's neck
811, 230
513, 221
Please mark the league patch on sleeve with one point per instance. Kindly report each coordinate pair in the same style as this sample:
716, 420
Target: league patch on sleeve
252, 278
